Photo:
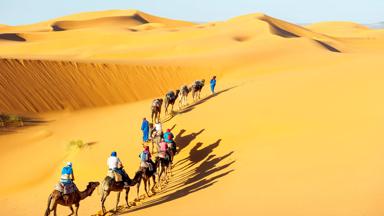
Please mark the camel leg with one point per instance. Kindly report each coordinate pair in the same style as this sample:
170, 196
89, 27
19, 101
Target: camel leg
54, 209
138, 190
77, 205
161, 175
48, 211
145, 186
179, 104
154, 183
118, 200
149, 183
126, 196
159, 178
166, 174
103, 198
70, 207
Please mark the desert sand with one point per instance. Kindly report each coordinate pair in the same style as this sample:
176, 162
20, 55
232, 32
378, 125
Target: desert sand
294, 129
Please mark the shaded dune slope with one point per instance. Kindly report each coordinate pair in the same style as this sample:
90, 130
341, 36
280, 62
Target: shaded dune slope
38, 86
11, 37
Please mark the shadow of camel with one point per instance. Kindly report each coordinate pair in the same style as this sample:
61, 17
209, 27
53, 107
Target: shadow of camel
199, 170
192, 106
183, 141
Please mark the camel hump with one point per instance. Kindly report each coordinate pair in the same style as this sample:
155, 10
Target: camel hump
66, 188
171, 95
156, 103
198, 82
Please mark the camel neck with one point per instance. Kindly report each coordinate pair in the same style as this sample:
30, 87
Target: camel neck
84, 194
135, 180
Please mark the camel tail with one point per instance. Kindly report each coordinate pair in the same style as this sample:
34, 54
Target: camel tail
49, 205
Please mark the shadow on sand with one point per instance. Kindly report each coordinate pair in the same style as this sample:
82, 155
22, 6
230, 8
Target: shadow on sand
199, 170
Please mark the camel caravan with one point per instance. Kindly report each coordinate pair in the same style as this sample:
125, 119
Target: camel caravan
117, 180
171, 97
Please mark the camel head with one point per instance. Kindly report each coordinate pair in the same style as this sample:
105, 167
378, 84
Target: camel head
91, 187
203, 81
177, 92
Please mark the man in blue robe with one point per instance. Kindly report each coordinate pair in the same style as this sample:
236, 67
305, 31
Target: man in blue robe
213, 84
145, 129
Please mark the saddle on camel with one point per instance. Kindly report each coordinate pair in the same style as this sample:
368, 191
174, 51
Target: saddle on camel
66, 184
116, 170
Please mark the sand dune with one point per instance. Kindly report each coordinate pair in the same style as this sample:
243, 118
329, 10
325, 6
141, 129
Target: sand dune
131, 53
294, 129
88, 20
124, 21
136, 19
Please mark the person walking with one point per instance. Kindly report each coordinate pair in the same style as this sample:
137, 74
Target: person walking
213, 84
145, 129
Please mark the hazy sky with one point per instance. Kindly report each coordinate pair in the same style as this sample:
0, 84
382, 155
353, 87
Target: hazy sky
14, 12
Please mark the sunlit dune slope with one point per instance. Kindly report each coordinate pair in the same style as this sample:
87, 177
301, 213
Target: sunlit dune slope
294, 129
304, 139
341, 29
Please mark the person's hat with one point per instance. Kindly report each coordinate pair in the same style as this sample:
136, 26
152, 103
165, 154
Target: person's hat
69, 163
114, 154
168, 130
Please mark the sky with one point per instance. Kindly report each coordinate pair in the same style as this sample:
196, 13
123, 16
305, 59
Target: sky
17, 12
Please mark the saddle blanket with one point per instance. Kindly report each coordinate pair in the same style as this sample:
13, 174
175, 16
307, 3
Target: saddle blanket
148, 165
115, 175
66, 188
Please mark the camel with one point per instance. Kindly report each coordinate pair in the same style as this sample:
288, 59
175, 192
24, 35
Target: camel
69, 199
156, 109
110, 185
146, 177
184, 91
197, 86
163, 166
156, 138
171, 151
170, 99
